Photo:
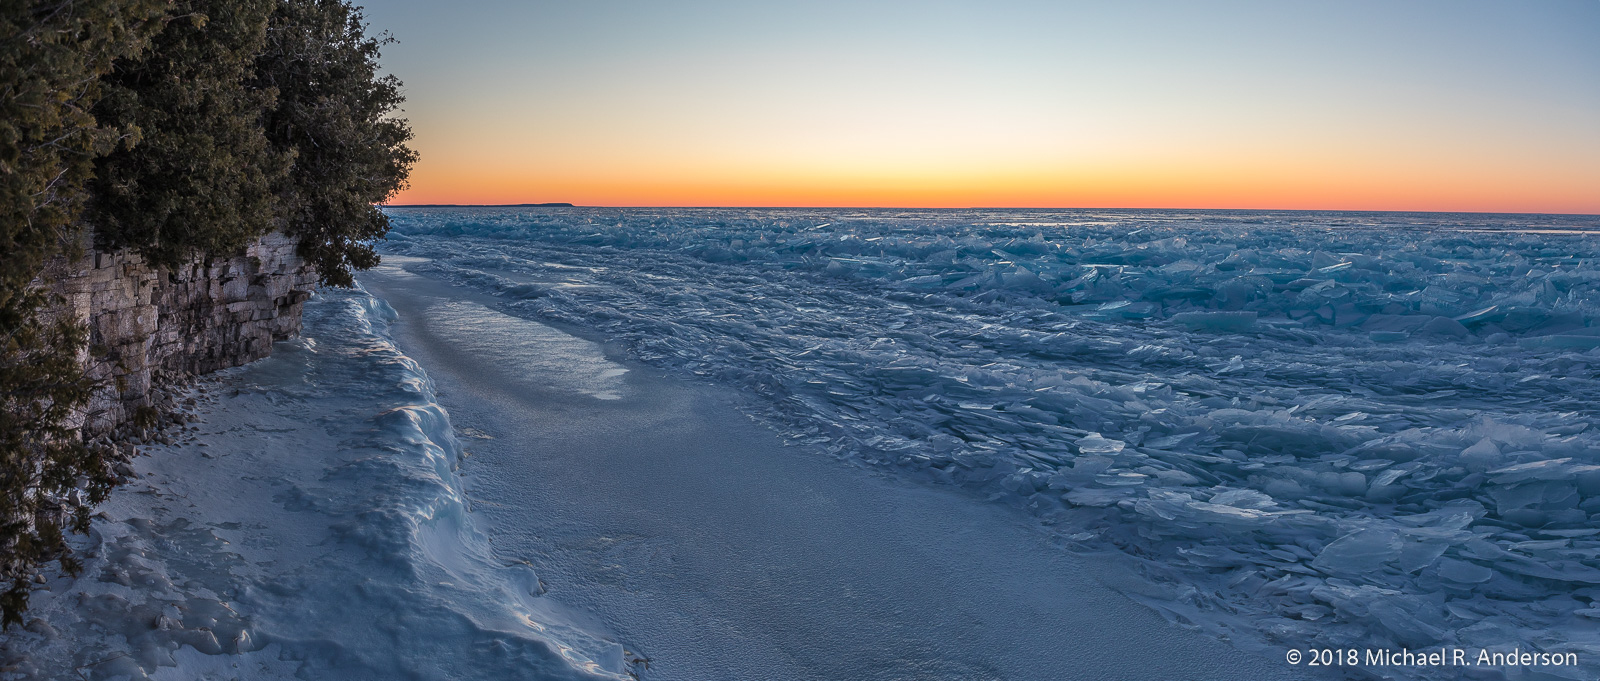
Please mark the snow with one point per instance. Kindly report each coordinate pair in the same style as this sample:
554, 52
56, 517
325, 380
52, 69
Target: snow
1336, 430
312, 525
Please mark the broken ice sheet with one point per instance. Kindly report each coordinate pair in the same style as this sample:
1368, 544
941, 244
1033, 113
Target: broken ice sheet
1094, 443
970, 345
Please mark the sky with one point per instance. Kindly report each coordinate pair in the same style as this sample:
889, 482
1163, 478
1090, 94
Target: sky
1457, 105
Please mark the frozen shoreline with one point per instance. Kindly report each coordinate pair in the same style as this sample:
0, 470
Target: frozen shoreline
314, 527
1329, 430
717, 552
1394, 469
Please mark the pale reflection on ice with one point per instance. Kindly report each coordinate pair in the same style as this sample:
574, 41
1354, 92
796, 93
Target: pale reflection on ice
532, 352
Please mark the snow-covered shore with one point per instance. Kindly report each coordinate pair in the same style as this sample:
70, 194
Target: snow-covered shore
313, 526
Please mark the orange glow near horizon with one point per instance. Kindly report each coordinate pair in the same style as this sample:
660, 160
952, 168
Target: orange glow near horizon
1174, 193
1396, 165
1289, 185
1435, 105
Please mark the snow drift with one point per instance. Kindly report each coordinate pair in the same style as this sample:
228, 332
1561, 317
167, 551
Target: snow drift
314, 527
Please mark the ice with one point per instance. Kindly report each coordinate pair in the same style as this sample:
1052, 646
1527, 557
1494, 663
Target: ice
1357, 407
1216, 321
1560, 342
1441, 326
560, 361
1543, 469
1095, 443
1482, 455
1408, 623
1359, 552
1243, 498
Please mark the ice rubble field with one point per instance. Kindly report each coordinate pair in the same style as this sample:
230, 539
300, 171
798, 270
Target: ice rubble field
1303, 429
236, 555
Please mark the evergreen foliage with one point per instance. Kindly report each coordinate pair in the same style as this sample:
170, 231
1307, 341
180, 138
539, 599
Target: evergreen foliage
332, 119
198, 177
178, 128
52, 56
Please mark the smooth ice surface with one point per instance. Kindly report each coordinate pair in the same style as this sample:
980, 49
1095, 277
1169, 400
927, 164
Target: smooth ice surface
312, 526
1299, 429
528, 352
718, 553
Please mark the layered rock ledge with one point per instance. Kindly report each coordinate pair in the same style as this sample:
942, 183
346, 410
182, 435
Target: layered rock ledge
151, 325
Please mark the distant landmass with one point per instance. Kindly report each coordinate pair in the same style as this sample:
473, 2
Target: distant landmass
480, 205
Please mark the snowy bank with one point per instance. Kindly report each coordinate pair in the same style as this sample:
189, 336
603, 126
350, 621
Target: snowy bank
313, 526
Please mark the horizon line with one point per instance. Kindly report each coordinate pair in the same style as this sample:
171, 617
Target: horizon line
1108, 208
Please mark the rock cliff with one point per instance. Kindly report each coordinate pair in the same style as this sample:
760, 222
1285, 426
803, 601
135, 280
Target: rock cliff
150, 325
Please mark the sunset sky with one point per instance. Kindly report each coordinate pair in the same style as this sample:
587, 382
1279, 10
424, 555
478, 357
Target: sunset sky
1440, 105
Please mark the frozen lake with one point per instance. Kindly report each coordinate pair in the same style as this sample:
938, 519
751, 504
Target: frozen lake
707, 546
691, 444
1288, 429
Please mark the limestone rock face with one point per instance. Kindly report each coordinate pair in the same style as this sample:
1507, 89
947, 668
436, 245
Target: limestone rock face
148, 324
